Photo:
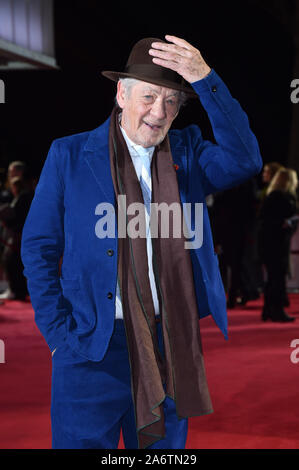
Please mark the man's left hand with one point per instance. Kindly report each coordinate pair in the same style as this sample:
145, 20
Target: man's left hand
181, 57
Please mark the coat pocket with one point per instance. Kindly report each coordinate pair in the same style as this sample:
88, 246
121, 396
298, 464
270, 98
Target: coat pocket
81, 318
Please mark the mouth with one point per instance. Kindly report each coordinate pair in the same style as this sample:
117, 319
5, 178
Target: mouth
153, 127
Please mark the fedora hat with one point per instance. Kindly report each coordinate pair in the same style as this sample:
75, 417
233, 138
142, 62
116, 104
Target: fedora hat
141, 67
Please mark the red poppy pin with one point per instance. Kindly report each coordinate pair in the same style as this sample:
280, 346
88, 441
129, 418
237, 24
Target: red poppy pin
176, 167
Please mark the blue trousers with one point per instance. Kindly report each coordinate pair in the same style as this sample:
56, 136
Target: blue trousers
92, 401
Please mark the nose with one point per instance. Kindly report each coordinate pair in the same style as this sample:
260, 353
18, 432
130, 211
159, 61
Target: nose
158, 109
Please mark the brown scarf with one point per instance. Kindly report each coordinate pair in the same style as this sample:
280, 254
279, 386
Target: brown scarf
181, 373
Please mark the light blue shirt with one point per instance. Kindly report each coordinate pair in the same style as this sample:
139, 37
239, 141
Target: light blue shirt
135, 151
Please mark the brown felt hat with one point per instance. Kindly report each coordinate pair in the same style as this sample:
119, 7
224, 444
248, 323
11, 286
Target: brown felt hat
141, 67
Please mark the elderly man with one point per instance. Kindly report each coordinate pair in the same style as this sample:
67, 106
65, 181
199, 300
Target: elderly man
121, 318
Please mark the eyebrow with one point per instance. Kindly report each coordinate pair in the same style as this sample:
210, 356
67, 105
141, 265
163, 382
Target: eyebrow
146, 89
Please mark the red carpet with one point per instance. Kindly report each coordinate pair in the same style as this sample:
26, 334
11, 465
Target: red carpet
253, 383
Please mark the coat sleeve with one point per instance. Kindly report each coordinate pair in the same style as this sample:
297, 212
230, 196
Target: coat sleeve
236, 156
41, 249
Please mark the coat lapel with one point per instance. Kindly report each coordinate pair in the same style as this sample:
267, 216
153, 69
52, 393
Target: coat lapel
96, 154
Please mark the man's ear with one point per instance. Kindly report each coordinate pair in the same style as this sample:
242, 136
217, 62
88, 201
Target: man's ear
120, 96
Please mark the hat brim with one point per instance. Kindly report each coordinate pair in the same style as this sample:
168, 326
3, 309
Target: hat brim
115, 76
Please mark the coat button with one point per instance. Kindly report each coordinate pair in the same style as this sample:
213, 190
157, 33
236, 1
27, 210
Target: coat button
214, 89
110, 295
110, 252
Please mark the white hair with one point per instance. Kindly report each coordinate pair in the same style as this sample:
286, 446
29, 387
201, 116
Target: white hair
128, 84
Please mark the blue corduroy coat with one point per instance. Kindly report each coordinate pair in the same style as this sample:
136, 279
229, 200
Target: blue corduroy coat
77, 305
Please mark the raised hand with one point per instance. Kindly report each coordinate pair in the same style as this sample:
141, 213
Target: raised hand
181, 57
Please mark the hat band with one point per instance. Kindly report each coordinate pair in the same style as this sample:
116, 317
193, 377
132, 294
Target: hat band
154, 71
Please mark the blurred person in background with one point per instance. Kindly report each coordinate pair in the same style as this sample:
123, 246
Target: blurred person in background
5, 193
278, 222
267, 175
20, 168
16, 168
12, 219
269, 171
234, 224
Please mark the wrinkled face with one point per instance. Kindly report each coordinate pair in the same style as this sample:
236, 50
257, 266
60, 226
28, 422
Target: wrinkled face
147, 112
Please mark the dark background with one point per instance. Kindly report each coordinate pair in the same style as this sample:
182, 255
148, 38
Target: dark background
247, 42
